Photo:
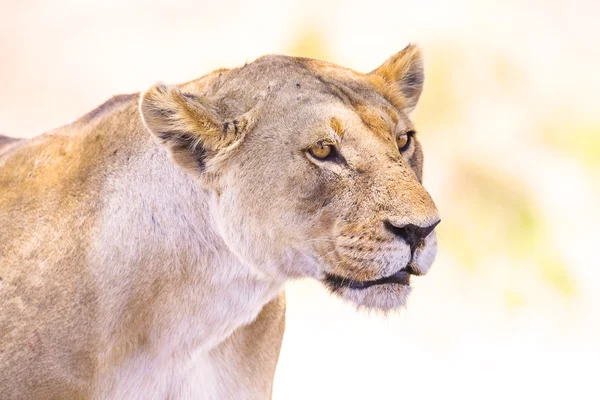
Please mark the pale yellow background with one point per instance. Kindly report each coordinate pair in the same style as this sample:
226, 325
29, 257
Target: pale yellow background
510, 122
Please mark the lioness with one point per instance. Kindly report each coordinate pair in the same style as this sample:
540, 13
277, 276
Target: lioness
144, 248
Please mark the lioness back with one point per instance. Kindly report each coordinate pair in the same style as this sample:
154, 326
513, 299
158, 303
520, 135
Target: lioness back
7, 144
49, 197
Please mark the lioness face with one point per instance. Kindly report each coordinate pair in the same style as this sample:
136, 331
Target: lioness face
321, 175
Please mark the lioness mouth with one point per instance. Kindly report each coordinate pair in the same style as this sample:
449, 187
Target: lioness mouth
335, 282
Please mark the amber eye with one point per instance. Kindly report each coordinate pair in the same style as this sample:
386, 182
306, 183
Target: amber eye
404, 140
321, 151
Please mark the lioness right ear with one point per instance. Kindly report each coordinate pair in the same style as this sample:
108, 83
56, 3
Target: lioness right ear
403, 72
188, 125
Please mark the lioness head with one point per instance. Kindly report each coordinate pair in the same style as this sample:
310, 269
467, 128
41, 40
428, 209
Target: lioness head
312, 169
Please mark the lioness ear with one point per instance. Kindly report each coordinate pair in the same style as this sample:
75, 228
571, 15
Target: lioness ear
404, 70
189, 125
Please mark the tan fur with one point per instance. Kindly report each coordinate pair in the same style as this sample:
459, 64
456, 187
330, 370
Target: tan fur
144, 248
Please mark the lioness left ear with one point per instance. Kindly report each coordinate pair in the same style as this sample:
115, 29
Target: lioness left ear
190, 126
404, 72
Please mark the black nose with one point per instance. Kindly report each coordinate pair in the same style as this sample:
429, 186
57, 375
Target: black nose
413, 235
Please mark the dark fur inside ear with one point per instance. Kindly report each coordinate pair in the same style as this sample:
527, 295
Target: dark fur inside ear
189, 125
405, 73
186, 124
186, 150
411, 84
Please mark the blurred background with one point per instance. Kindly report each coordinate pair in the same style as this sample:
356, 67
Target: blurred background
510, 123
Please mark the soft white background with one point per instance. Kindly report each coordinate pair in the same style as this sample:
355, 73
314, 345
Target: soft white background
512, 90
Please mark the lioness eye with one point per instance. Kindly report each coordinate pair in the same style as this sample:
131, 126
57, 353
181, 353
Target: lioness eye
321, 151
404, 140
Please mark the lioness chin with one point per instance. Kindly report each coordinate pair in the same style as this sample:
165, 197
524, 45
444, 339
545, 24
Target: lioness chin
144, 248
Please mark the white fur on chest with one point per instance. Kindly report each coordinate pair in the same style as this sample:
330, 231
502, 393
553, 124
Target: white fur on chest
178, 363
161, 248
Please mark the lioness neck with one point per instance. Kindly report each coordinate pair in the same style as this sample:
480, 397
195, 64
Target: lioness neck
132, 261
170, 288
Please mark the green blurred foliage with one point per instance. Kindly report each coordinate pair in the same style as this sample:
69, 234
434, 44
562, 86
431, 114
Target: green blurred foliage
309, 43
493, 216
557, 275
439, 105
578, 140
514, 298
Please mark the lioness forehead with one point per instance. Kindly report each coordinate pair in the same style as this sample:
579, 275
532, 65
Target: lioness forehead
286, 78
